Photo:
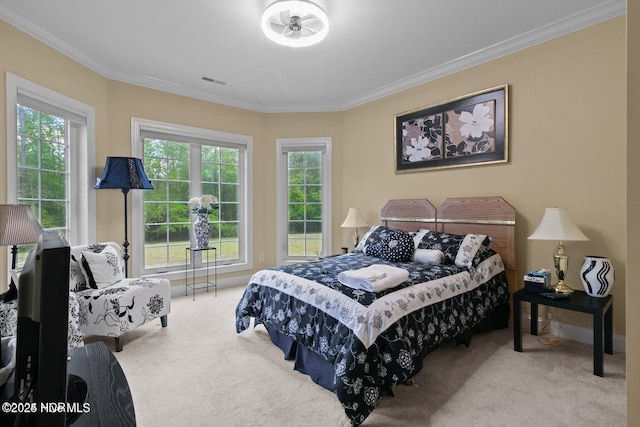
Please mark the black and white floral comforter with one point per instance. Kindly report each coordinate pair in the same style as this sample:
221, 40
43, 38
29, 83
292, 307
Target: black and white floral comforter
373, 340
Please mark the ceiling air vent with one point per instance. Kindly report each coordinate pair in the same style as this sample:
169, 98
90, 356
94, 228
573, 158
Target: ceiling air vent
210, 80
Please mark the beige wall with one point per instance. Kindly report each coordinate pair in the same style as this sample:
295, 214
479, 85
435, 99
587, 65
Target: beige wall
633, 212
567, 143
567, 120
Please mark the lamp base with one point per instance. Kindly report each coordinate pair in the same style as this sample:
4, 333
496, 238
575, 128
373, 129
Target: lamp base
562, 288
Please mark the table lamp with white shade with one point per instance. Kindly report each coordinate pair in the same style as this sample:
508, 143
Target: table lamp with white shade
354, 220
18, 226
556, 224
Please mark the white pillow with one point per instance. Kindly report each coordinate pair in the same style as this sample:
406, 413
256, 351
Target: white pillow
103, 269
468, 249
418, 235
428, 256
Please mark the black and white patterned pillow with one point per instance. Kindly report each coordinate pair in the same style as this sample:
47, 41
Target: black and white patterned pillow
448, 243
372, 237
77, 278
469, 247
393, 246
102, 268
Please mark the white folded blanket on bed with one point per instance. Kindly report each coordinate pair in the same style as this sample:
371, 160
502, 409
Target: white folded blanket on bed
375, 278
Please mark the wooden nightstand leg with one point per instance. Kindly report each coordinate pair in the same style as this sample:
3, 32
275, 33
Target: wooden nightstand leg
608, 331
534, 318
517, 329
598, 345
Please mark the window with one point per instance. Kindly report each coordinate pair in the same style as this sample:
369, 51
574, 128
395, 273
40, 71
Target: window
52, 141
42, 159
304, 198
184, 162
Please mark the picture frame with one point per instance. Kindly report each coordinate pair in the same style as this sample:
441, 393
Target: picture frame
466, 131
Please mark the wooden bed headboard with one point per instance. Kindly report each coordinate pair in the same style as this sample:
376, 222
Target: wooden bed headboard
492, 216
409, 214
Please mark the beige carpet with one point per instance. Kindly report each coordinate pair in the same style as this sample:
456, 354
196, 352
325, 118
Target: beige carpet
199, 372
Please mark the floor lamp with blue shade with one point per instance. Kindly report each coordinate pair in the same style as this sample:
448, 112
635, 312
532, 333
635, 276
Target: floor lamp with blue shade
124, 173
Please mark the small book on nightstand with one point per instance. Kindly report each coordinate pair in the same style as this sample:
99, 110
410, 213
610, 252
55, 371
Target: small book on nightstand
537, 281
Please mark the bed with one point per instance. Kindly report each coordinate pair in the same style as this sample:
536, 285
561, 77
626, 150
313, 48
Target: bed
360, 344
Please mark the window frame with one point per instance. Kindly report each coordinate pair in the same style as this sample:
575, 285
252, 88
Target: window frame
284, 146
245, 214
81, 163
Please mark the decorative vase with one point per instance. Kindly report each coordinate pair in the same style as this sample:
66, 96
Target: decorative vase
202, 230
597, 276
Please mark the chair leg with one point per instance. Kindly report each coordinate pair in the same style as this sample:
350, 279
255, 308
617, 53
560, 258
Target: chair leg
118, 345
163, 320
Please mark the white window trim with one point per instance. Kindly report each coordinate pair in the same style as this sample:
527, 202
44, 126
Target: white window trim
283, 146
245, 231
82, 228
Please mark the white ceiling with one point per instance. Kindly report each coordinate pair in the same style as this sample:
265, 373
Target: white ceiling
374, 47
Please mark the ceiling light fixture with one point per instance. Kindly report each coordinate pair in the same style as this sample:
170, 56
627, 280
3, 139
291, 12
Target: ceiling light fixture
295, 23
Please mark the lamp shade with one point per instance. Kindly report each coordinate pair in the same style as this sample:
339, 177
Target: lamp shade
354, 219
125, 173
556, 224
18, 225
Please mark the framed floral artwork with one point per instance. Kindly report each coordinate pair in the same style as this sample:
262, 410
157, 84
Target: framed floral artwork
465, 131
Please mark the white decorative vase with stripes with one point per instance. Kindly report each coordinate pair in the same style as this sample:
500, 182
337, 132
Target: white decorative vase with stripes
597, 276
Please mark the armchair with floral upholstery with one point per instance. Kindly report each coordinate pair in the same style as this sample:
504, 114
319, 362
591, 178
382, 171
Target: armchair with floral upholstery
109, 304
101, 300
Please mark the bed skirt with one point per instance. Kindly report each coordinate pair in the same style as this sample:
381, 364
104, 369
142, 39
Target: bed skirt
322, 372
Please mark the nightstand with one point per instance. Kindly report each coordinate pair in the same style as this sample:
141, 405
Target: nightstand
600, 308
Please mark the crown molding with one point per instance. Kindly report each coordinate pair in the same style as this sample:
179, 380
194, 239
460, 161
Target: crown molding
597, 14
20, 22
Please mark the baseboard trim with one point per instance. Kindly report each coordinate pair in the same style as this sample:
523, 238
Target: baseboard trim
574, 333
179, 290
